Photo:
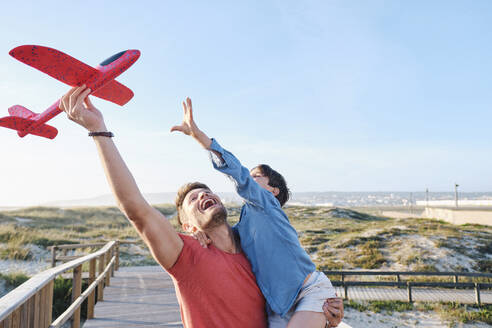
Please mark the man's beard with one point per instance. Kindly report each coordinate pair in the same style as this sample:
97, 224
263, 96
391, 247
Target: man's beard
218, 218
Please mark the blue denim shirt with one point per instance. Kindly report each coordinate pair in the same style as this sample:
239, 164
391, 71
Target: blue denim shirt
271, 244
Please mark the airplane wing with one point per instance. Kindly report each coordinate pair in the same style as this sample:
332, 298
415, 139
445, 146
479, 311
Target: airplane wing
115, 92
45, 130
15, 123
20, 124
54, 63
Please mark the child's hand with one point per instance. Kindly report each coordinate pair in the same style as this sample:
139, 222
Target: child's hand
188, 126
202, 238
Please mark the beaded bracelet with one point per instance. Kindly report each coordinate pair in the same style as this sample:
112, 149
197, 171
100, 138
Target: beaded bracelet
101, 134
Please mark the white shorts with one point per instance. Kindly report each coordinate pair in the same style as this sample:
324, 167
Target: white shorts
312, 296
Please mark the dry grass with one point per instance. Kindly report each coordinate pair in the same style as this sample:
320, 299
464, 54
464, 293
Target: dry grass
46, 226
356, 241
402, 244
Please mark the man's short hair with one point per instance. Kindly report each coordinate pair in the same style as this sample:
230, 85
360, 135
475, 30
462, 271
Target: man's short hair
182, 192
276, 180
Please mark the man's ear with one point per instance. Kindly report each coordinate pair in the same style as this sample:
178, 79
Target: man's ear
275, 191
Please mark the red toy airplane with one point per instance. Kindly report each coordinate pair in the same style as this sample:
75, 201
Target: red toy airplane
101, 81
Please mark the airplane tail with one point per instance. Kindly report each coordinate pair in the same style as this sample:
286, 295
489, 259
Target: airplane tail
21, 119
19, 111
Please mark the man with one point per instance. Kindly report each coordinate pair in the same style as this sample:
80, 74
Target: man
215, 286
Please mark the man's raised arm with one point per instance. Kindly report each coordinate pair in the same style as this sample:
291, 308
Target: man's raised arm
152, 226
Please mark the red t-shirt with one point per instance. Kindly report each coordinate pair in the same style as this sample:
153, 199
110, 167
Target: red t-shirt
216, 289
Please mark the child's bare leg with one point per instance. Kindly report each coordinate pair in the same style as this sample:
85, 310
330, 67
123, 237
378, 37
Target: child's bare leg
307, 319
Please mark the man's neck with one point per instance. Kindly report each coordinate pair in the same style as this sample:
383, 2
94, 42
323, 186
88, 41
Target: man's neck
223, 238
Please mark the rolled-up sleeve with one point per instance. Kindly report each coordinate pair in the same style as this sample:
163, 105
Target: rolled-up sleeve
246, 187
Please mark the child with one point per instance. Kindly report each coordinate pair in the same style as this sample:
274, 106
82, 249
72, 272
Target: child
294, 290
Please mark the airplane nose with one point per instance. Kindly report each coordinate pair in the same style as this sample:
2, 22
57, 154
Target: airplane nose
135, 54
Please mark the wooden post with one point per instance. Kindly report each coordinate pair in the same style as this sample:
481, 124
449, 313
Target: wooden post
6, 322
53, 256
25, 308
398, 278
409, 290
49, 303
108, 274
117, 260
42, 307
31, 312
112, 266
345, 289
91, 297
76, 291
23, 314
15, 323
37, 315
100, 287
477, 294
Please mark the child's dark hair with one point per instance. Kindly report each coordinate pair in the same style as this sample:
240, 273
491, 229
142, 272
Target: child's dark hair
276, 180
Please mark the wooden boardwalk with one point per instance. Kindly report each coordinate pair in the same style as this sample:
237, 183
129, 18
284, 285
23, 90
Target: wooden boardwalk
145, 297
138, 297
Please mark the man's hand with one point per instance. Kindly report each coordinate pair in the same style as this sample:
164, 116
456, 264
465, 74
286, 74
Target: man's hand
80, 109
333, 309
189, 127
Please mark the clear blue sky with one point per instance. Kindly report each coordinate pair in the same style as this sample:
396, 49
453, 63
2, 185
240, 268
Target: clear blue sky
336, 95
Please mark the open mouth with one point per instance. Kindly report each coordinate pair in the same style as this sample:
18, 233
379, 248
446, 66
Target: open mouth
208, 203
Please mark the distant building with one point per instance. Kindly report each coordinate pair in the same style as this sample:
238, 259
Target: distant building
451, 203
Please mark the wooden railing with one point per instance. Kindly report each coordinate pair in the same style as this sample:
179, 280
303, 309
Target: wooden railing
65, 248
30, 305
409, 284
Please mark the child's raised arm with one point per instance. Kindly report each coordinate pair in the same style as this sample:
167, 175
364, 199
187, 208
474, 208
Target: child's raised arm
224, 162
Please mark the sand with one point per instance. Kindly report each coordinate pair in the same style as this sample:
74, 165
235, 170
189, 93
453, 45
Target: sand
356, 319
